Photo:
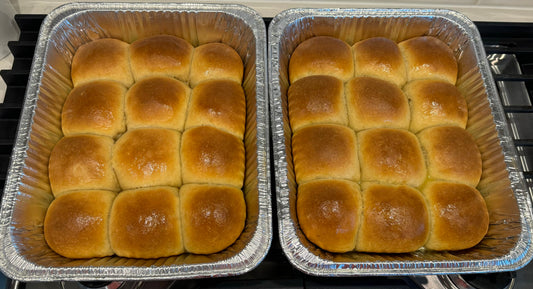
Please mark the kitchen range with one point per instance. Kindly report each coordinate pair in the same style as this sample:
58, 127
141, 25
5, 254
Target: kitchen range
509, 52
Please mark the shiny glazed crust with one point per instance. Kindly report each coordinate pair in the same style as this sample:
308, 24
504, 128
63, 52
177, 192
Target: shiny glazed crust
126, 129
218, 103
82, 162
379, 57
105, 58
395, 219
429, 57
215, 61
161, 55
147, 157
317, 99
451, 154
329, 213
76, 224
459, 216
213, 217
145, 223
373, 103
435, 102
409, 122
391, 156
96, 107
212, 156
157, 102
325, 151
321, 55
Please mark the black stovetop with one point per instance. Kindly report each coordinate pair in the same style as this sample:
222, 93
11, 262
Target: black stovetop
501, 41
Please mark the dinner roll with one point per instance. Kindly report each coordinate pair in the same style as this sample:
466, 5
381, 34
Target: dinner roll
321, 55
76, 224
212, 216
105, 58
329, 213
395, 220
215, 61
145, 223
373, 102
147, 157
157, 102
82, 162
452, 154
379, 57
459, 216
95, 108
161, 55
325, 151
391, 156
219, 103
212, 156
429, 57
435, 102
316, 99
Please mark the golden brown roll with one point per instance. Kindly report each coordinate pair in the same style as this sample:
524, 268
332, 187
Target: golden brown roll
219, 103
157, 102
212, 216
452, 154
161, 55
435, 102
215, 61
82, 162
321, 55
379, 57
391, 156
325, 151
429, 57
212, 156
145, 223
147, 157
95, 107
76, 224
459, 216
395, 220
373, 103
317, 99
329, 213
105, 58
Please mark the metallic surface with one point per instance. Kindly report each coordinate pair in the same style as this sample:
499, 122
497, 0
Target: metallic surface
507, 246
24, 253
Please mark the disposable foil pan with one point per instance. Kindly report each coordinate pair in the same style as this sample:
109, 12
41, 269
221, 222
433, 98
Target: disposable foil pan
507, 246
24, 253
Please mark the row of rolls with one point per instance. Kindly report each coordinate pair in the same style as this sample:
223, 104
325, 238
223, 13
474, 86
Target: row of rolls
382, 158
152, 160
151, 222
167, 55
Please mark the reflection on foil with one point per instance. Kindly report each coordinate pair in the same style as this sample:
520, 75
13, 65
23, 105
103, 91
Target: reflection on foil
511, 92
514, 93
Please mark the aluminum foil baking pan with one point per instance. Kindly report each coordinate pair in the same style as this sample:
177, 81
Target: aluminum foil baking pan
24, 253
507, 246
